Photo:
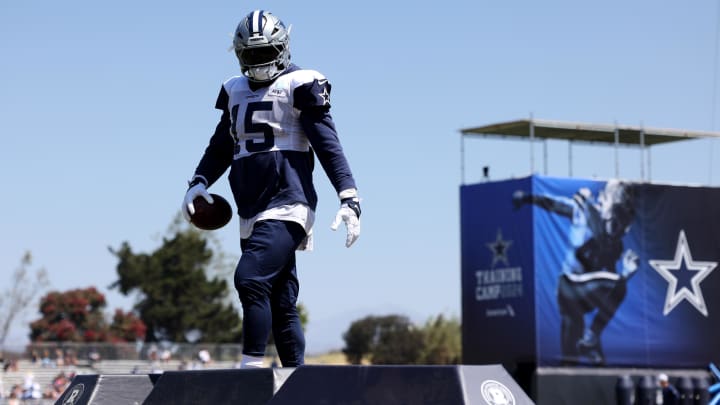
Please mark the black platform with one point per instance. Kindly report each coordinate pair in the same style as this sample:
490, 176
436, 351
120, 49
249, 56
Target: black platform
400, 385
305, 385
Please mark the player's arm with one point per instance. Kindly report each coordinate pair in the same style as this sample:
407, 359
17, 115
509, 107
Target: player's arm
219, 153
312, 99
319, 127
559, 205
216, 159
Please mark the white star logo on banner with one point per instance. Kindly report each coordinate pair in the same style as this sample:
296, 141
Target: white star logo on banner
666, 267
499, 249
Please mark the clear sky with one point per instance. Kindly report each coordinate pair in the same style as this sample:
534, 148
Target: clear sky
105, 109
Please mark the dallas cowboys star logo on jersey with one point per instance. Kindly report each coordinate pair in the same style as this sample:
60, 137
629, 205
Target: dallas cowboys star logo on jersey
670, 270
499, 249
325, 96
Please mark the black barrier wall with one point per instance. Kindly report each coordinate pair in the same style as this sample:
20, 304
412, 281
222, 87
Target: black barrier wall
331, 385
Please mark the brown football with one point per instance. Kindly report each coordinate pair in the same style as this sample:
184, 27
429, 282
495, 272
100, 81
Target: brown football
211, 216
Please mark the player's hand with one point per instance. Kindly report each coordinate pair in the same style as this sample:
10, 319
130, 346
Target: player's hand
199, 189
630, 263
519, 198
349, 213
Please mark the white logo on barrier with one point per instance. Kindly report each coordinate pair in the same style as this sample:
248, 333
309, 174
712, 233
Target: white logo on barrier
666, 268
495, 393
499, 282
74, 394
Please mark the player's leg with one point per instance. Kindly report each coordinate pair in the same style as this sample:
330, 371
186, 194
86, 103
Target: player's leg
266, 254
608, 297
286, 326
572, 321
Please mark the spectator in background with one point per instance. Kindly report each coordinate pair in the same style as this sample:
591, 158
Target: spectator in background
669, 392
165, 356
59, 358
10, 365
31, 389
59, 384
204, 357
15, 395
71, 358
93, 357
46, 362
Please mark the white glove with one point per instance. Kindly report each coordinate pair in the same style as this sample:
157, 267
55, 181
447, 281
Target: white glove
199, 189
349, 213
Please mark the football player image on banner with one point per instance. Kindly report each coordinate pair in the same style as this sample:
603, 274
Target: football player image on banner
275, 120
590, 281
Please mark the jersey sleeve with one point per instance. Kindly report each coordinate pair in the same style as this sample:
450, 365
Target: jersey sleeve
314, 95
219, 152
313, 101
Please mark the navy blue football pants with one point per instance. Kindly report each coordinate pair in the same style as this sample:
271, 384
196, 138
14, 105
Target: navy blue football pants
266, 281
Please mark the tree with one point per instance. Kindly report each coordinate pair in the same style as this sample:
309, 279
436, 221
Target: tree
391, 339
175, 293
442, 341
77, 316
397, 341
359, 339
127, 326
22, 290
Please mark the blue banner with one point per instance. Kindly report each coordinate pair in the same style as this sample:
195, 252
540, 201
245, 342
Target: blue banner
613, 273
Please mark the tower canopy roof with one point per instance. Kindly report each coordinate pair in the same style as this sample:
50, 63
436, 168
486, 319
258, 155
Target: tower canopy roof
586, 132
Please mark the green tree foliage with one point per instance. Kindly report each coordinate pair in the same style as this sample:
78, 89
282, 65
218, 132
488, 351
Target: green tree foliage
442, 341
359, 339
176, 295
393, 339
77, 316
398, 341
390, 339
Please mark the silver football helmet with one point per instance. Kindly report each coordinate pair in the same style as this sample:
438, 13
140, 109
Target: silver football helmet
262, 45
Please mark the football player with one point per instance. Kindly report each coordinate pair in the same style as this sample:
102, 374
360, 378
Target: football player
275, 120
590, 280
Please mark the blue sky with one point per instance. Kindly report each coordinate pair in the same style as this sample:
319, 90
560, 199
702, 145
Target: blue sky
105, 109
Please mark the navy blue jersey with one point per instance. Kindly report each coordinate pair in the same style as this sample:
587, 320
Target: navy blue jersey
268, 136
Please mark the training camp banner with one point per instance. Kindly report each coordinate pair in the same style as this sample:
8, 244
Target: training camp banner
560, 271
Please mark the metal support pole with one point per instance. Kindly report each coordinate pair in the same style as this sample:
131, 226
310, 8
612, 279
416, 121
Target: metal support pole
545, 157
570, 159
532, 146
462, 159
642, 154
617, 143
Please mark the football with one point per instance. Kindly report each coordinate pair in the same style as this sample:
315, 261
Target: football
211, 216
